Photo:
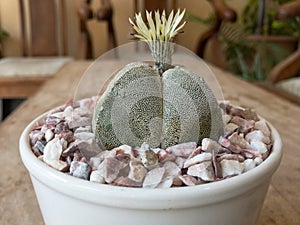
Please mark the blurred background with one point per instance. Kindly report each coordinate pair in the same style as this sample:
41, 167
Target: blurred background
123, 9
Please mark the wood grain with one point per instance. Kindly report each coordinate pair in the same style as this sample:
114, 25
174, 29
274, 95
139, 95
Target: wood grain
20, 87
18, 204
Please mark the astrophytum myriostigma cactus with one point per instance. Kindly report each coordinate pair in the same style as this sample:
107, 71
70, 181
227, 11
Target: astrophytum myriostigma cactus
160, 104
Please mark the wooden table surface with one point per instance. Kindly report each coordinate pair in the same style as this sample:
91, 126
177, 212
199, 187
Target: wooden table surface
20, 87
18, 205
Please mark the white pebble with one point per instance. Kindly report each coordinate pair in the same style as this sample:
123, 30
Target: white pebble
85, 136
189, 180
75, 120
263, 126
53, 150
202, 170
165, 183
59, 115
231, 168
68, 111
110, 168
257, 135
126, 148
183, 149
258, 146
171, 170
95, 162
82, 112
64, 143
238, 140
180, 161
83, 129
209, 145
58, 164
154, 177
49, 135
96, 177
205, 156
52, 153
73, 166
249, 164
258, 160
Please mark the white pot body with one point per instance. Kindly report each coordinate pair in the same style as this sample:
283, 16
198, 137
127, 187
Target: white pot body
66, 200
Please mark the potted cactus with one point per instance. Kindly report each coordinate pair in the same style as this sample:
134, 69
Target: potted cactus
173, 111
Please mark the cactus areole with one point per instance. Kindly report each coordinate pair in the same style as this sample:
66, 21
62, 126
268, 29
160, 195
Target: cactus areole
161, 105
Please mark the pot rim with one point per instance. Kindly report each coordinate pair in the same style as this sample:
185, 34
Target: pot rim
141, 198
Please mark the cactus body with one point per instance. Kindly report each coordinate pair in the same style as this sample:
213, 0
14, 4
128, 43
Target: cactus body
140, 106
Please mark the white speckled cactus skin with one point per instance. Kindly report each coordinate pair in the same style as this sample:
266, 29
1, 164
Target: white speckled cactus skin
140, 105
196, 108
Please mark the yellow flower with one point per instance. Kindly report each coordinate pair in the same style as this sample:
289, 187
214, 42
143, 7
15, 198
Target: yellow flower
164, 29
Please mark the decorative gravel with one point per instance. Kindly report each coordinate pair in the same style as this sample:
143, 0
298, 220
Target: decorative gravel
64, 140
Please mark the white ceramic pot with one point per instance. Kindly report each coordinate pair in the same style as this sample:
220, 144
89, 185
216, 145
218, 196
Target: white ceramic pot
66, 200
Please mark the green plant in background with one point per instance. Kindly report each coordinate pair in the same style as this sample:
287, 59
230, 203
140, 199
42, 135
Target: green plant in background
253, 72
288, 27
258, 17
248, 59
205, 21
3, 34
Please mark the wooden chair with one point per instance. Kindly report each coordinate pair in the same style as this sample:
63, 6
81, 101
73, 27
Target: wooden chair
284, 79
86, 14
43, 36
281, 73
223, 13
105, 14
291, 66
152, 5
